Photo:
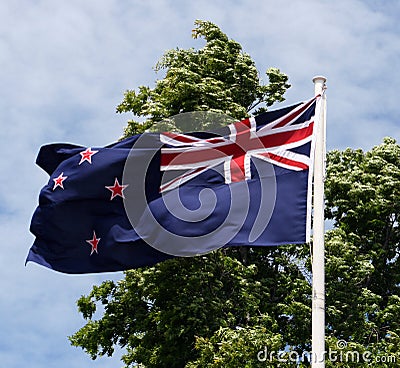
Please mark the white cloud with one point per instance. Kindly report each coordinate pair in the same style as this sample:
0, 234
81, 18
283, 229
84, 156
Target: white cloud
353, 43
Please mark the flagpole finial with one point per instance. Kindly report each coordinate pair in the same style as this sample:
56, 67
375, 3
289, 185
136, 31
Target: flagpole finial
319, 84
319, 77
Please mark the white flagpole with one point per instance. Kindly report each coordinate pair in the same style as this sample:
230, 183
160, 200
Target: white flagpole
318, 254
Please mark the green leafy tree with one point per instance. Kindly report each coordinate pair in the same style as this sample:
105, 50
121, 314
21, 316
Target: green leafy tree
170, 315
238, 306
219, 77
362, 267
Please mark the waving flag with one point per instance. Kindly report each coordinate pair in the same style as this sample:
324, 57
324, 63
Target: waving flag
155, 196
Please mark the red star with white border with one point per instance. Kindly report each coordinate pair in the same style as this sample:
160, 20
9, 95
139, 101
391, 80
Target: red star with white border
58, 181
116, 189
94, 242
87, 155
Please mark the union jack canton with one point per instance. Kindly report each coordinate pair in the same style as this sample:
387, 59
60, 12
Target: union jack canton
274, 142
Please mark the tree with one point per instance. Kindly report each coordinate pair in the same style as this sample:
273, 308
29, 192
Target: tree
165, 314
219, 77
240, 307
363, 279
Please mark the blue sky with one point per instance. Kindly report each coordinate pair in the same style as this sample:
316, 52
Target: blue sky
64, 67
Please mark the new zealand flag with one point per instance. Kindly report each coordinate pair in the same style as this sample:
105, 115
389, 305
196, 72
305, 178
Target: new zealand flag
155, 196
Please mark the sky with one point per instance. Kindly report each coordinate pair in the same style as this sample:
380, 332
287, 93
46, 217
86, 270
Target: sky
64, 66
